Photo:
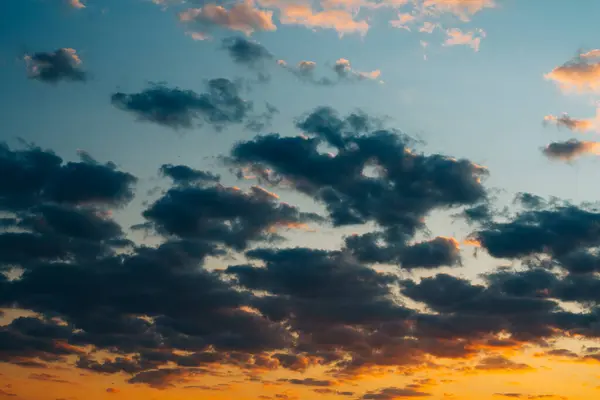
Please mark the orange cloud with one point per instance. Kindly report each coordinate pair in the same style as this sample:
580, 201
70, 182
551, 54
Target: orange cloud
456, 37
76, 4
242, 17
574, 124
582, 74
339, 19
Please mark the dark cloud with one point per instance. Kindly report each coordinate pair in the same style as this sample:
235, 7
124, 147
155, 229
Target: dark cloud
34, 175
500, 363
309, 382
555, 230
405, 188
47, 378
182, 174
224, 215
393, 393
53, 67
220, 106
409, 186
570, 150
247, 52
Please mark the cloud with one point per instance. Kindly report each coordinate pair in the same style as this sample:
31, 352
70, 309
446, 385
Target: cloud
176, 108
309, 382
581, 74
303, 13
47, 378
242, 17
106, 305
77, 4
342, 69
338, 182
52, 67
573, 124
223, 215
554, 229
570, 149
500, 363
393, 393
461, 8
457, 37
184, 175
258, 58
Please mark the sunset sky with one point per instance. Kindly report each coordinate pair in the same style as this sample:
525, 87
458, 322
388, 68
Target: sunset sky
299, 199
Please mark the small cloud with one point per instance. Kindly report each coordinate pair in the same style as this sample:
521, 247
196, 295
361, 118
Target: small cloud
404, 19
112, 390
571, 149
337, 18
574, 124
51, 67
76, 4
456, 37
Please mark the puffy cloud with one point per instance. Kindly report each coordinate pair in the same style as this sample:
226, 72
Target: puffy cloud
241, 17
457, 37
176, 108
581, 74
556, 230
247, 52
570, 149
338, 181
52, 67
302, 13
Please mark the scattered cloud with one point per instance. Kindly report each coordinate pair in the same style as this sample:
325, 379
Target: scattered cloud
52, 67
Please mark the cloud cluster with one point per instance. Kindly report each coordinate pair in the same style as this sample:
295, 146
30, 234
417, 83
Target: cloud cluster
164, 317
579, 75
258, 58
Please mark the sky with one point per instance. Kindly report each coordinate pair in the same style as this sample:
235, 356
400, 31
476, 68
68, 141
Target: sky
299, 199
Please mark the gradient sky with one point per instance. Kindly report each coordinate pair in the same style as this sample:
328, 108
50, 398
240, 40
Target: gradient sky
447, 247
